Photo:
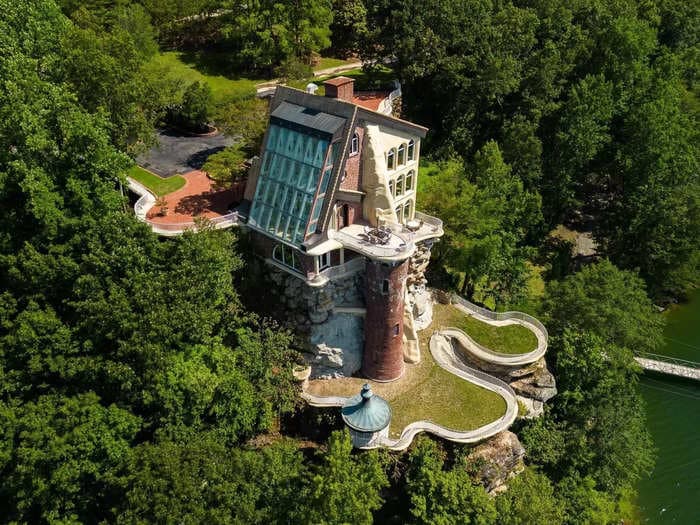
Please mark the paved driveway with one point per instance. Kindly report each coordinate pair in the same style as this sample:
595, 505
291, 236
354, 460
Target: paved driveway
176, 153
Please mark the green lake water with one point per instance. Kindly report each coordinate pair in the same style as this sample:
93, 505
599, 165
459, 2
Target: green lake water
672, 493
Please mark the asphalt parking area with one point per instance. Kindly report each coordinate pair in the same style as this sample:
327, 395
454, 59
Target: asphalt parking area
176, 153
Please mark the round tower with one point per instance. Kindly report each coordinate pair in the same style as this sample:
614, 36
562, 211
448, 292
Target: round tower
384, 296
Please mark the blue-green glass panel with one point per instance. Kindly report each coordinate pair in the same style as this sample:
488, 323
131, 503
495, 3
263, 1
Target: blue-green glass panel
289, 176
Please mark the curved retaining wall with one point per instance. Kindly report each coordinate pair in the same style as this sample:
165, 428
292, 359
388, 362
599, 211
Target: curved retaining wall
499, 319
444, 355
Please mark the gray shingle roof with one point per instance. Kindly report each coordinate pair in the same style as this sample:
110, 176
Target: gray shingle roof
308, 117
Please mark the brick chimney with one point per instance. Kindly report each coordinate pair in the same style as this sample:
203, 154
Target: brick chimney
341, 88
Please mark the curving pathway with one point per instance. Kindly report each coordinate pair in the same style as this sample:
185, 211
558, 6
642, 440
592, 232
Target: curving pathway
498, 319
445, 356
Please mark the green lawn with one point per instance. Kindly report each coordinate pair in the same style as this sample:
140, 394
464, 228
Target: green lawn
156, 184
207, 67
509, 339
328, 62
211, 67
426, 392
446, 400
382, 79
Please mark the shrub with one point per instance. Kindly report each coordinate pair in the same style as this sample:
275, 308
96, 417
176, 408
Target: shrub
193, 113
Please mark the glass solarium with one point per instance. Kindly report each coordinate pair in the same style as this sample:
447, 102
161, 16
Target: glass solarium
292, 165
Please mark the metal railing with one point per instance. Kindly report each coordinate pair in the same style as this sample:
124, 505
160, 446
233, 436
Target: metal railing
146, 198
374, 250
501, 316
429, 219
143, 204
346, 269
387, 105
667, 359
222, 221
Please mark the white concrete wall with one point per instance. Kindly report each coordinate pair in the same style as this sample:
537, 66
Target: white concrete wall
378, 142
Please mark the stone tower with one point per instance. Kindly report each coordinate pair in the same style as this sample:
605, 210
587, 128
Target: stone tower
384, 297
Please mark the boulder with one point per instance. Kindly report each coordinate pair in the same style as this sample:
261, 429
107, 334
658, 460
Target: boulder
328, 356
336, 346
497, 460
540, 386
534, 407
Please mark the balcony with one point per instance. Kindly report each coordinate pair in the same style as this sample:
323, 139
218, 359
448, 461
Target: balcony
423, 227
333, 273
359, 237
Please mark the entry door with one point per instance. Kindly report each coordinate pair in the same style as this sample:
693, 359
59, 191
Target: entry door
343, 216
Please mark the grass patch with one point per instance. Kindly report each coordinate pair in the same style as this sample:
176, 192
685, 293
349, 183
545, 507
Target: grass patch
447, 400
206, 67
509, 339
328, 62
156, 184
382, 79
427, 392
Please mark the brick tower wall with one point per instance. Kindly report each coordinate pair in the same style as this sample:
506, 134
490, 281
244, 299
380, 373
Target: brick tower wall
382, 359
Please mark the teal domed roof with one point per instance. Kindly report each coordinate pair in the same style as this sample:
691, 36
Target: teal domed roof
366, 412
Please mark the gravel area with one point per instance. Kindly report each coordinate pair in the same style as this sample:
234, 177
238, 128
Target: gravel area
177, 153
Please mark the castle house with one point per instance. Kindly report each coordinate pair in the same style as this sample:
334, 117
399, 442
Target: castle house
331, 206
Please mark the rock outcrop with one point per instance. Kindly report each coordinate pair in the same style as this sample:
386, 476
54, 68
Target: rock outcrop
497, 460
336, 347
540, 385
534, 383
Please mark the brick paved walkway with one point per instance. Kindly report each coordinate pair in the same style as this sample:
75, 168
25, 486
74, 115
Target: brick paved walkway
199, 197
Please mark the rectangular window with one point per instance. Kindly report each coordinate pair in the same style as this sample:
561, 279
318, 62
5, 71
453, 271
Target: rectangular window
355, 145
385, 286
324, 261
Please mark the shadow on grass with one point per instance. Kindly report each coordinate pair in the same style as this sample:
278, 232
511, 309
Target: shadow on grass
219, 62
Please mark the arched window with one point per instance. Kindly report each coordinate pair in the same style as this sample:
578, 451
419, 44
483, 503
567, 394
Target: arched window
409, 180
391, 159
399, 212
407, 212
399, 185
392, 187
402, 155
355, 144
287, 256
411, 150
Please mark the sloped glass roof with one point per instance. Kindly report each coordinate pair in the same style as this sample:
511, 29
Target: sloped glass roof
292, 164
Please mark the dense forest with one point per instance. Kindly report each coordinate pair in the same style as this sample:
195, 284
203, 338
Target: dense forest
137, 385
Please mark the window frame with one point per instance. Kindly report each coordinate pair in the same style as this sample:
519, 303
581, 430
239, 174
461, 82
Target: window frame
354, 144
407, 207
409, 181
411, 150
401, 155
400, 185
391, 159
286, 250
